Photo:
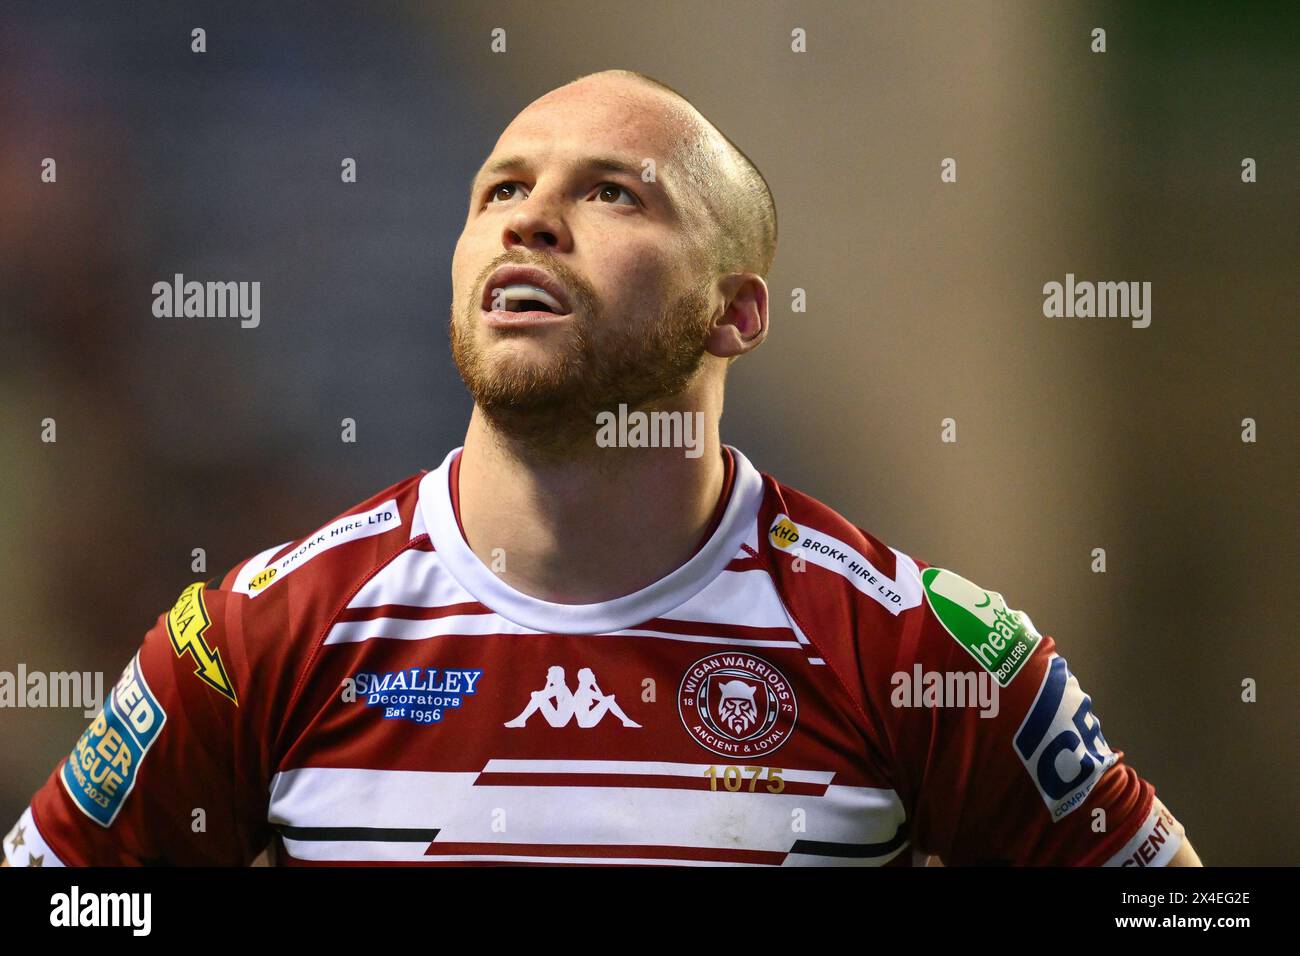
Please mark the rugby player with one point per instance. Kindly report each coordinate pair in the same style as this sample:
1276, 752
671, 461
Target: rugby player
595, 633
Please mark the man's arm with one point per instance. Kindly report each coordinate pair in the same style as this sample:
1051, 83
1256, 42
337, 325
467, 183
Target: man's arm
1185, 856
166, 772
1029, 779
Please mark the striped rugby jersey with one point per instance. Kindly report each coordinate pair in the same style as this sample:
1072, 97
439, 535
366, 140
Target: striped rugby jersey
796, 693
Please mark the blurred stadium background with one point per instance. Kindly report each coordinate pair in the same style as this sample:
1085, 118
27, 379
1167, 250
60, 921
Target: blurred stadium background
924, 300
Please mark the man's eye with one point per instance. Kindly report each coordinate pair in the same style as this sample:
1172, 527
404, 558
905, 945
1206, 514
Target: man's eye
609, 193
509, 190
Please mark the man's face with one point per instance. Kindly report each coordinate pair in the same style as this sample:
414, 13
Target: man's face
619, 254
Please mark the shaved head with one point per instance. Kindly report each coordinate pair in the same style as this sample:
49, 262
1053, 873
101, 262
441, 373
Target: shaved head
739, 234
648, 286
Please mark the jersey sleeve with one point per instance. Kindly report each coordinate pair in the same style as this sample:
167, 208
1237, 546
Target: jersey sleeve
1002, 753
172, 769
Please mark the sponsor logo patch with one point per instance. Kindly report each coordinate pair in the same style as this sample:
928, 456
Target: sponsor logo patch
784, 534
422, 695
256, 581
999, 638
737, 705
102, 768
186, 623
1060, 742
261, 579
1155, 844
894, 594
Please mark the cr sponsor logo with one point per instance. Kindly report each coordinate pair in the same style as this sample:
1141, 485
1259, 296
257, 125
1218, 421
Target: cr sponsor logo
1060, 742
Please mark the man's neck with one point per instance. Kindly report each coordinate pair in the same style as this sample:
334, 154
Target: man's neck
599, 524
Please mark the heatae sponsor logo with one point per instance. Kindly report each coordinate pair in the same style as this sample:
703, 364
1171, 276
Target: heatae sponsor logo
55, 689
934, 689
1102, 300
639, 429
1000, 638
179, 299
75, 908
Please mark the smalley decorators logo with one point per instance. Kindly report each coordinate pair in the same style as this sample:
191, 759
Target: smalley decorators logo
737, 705
422, 695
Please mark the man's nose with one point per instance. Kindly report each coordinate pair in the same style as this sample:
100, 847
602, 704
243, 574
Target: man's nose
538, 223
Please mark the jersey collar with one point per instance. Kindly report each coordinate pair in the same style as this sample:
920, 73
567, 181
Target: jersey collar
654, 600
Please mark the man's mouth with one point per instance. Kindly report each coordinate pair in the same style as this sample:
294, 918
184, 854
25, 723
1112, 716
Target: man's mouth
518, 295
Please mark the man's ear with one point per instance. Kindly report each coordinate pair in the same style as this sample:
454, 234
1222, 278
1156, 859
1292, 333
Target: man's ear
742, 326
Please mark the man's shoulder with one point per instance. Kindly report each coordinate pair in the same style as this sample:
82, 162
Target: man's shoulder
820, 556
877, 607
224, 662
317, 570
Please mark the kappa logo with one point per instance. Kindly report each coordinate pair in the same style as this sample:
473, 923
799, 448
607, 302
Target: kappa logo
736, 705
587, 705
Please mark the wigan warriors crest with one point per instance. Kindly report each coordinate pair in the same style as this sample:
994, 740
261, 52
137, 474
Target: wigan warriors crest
736, 705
